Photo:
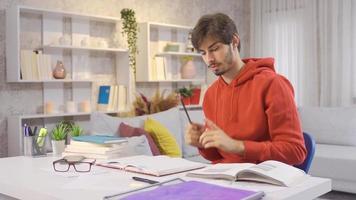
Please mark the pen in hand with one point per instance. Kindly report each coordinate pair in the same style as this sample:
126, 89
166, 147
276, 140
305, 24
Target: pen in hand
144, 180
185, 110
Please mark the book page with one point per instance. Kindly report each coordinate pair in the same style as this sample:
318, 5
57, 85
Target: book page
221, 171
273, 172
152, 165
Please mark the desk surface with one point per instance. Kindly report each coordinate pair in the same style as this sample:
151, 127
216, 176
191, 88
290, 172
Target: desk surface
34, 178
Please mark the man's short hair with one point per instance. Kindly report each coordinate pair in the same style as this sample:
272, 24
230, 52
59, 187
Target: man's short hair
218, 25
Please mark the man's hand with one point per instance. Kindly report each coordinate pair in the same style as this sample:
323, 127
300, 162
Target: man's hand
193, 133
213, 136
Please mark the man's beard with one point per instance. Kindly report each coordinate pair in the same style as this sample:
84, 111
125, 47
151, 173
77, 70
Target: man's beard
227, 61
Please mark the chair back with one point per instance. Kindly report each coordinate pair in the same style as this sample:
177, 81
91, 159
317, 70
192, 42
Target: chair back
310, 145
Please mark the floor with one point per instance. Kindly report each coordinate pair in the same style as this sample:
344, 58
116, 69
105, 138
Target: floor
337, 196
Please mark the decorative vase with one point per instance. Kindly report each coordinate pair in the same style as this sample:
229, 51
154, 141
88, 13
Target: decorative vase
188, 70
58, 147
59, 72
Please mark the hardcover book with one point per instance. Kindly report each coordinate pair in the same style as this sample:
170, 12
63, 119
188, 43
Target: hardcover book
103, 97
100, 139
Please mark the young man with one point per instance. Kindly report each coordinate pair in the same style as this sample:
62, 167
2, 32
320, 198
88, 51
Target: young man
250, 111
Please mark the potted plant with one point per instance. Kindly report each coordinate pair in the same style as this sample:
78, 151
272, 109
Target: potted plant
158, 103
185, 94
59, 134
195, 98
130, 28
76, 131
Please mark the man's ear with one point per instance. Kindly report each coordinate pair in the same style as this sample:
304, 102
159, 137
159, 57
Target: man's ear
235, 40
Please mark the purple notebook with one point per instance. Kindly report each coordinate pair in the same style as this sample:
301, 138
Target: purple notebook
195, 190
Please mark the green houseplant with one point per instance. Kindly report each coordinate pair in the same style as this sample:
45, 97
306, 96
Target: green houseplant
185, 94
60, 131
130, 28
76, 130
59, 134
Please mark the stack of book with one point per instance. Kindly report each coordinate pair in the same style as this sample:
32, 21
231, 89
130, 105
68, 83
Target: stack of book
95, 146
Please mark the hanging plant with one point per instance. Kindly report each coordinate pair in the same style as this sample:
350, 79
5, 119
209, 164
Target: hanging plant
130, 28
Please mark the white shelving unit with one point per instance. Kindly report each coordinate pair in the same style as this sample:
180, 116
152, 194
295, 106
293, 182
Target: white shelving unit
84, 43
152, 41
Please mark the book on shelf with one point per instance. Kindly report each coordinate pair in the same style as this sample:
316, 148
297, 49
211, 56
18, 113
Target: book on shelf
103, 97
191, 190
113, 103
100, 139
112, 98
272, 172
35, 66
121, 97
159, 68
152, 165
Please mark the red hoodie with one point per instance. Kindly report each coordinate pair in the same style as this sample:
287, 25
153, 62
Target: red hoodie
258, 108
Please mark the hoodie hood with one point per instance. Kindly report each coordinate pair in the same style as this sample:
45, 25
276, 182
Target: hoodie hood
252, 67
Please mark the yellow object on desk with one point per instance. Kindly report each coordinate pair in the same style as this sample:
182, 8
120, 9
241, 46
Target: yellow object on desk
41, 137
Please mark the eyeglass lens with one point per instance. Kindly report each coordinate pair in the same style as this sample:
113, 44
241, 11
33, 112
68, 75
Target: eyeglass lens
82, 167
61, 166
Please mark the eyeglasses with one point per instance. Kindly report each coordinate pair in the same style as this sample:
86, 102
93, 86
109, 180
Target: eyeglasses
63, 165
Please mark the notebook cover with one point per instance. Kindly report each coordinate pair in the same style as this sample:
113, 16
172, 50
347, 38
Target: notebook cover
194, 190
99, 139
104, 92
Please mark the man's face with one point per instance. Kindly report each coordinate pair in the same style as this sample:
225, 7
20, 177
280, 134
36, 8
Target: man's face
217, 55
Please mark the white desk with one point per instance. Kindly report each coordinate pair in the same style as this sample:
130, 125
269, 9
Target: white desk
34, 178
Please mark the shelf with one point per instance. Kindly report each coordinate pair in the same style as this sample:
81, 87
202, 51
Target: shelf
172, 26
37, 116
49, 47
55, 81
177, 54
68, 14
198, 106
174, 81
153, 61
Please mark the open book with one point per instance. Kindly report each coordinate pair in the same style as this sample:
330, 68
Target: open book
273, 172
152, 165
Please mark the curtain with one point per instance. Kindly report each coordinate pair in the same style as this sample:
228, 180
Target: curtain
312, 44
337, 32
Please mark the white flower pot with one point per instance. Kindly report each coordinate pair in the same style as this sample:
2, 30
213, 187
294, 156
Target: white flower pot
58, 147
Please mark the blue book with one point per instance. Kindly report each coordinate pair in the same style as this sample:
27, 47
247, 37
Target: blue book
104, 94
100, 139
195, 190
